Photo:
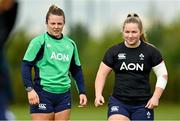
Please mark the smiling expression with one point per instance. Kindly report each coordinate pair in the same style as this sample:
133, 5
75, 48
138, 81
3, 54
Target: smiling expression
131, 34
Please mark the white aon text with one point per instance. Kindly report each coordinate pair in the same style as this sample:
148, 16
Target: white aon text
59, 56
132, 66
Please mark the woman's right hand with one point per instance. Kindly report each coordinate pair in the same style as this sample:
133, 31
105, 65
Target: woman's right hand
33, 97
99, 101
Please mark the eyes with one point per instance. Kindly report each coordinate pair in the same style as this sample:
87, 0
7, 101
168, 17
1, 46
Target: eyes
53, 24
133, 32
131, 28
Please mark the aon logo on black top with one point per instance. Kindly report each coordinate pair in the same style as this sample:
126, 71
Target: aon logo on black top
132, 66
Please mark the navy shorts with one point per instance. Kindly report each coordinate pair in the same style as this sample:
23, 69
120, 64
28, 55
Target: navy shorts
2, 112
3, 106
133, 112
50, 102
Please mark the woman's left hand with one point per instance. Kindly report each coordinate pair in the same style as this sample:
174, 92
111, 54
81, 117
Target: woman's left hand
152, 103
82, 100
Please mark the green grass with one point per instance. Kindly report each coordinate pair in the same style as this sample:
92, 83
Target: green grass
21, 112
168, 111
165, 111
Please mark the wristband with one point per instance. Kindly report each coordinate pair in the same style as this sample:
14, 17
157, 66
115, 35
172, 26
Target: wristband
29, 89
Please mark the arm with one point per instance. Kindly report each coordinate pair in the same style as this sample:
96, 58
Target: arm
162, 77
102, 73
7, 19
77, 74
26, 73
76, 71
27, 80
33, 54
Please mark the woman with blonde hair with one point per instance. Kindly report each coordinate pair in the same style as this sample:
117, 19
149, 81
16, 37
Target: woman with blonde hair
132, 61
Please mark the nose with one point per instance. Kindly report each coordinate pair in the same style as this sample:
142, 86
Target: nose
130, 35
56, 25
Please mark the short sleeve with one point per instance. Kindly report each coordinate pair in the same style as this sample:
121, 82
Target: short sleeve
32, 50
108, 58
156, 57
76, 55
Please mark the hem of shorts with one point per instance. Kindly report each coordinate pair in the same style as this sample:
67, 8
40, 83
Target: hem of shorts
62, 109
117, 114
52, 111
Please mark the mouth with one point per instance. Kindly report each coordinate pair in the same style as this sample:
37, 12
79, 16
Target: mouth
130, 40
57, 30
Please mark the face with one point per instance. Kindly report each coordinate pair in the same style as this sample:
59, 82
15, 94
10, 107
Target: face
55, 25
131, 34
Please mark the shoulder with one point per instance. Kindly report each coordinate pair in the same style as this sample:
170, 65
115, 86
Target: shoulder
116, 47
150, 46
69, 40
152, 50
39, 39
147, 44
112, 51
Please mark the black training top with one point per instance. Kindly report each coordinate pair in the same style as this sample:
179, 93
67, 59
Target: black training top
132, 67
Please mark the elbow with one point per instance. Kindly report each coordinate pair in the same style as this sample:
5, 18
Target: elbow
165, 76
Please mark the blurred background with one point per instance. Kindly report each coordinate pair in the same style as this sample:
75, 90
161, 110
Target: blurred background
95, 25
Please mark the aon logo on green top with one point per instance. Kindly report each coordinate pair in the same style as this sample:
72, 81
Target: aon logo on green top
59, 56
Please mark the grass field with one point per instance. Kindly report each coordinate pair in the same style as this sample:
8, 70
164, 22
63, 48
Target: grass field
165, 111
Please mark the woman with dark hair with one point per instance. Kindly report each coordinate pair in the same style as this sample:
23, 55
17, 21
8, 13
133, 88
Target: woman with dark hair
54, 57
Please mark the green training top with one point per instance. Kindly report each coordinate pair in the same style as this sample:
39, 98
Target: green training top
55, 61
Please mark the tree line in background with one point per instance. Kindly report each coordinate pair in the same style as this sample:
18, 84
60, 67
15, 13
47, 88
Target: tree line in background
91, 50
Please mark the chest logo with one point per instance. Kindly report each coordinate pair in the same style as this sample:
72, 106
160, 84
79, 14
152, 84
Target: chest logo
48, 45
141, 56
132, 66
59, 56
121, 56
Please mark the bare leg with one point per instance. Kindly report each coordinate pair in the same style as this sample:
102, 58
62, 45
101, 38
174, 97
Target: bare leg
63, 115
42, 116
118, 117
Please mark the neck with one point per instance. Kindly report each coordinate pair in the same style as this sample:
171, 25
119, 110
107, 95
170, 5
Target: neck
54, 37
134, 45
